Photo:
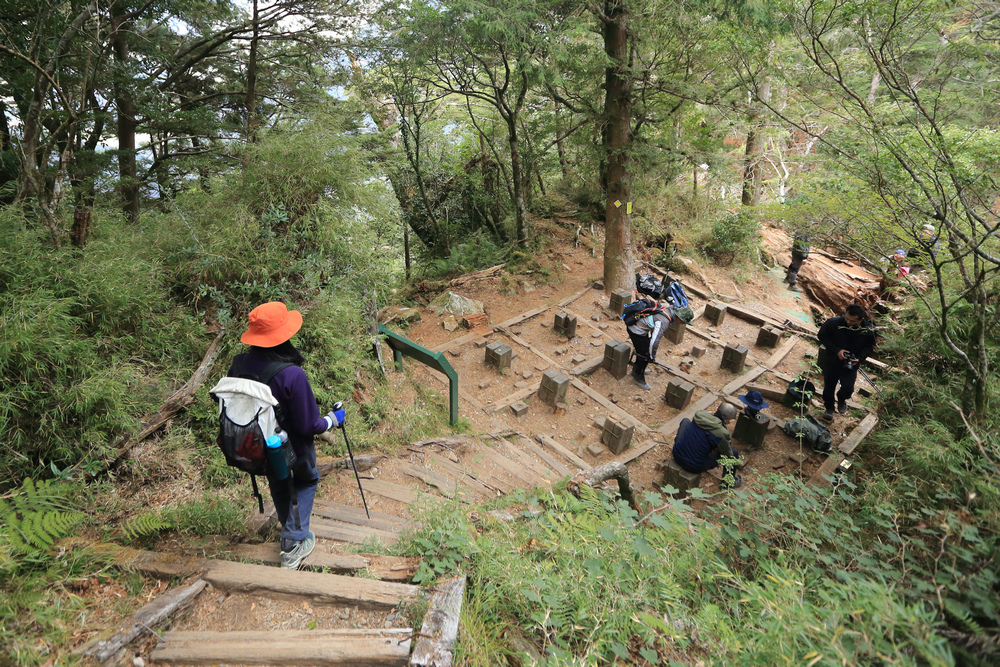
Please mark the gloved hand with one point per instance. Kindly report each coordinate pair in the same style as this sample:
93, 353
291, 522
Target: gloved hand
336, 416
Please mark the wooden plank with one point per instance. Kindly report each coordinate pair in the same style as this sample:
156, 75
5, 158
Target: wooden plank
604, 402
860, 432
550, 460
397, 492
749, 376
445, 485
367, 648
512, 468
550, 442
357, 516
570, 299
440, 627
635, 452
345, 532
540, 471
457, 342
464, 476
783, 351
845, 449
386, 568
520, 318
531, 348
751, 316
463, 394
149, 615
770, 393
587, 367
317, 587
519, 395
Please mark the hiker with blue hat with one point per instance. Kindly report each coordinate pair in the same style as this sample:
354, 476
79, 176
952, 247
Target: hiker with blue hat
754, 402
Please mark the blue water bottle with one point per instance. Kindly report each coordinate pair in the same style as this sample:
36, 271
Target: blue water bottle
276, 455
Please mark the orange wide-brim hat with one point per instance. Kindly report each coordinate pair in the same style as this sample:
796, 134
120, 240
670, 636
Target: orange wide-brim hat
271, 324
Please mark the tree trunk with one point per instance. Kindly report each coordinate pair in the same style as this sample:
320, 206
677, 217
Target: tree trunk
560, 150
520, 208
617, 139
81, 226
753, 165
125, 105
251, 96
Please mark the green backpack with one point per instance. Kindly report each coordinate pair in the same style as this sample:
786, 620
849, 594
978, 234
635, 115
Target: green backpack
811, 433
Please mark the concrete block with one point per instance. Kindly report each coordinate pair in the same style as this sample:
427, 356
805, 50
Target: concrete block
519, 409
482, 342
675, 332
599, 423
679, 393
596, 449
768, 337
715, 313
561, 408
617, 436
499, 354
553, 387
616, 358
679, 478
734, 357
565, 324
697, 352
618, 300
751, 430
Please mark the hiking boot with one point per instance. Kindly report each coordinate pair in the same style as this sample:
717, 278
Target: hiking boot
822, 449
828, 415
292, 559
641, 382
842, 407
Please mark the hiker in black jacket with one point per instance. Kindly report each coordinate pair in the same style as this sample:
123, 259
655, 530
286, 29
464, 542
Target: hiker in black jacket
848, 341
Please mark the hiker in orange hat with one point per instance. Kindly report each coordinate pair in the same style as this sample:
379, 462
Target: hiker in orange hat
273, 360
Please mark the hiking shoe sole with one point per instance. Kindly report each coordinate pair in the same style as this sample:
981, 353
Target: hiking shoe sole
291, 560
642, 384
827, 416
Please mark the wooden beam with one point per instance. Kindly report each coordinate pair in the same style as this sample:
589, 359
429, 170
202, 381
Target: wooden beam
358, 517
317, 587
148, 616
463, 475
565, 302
440, 627
397, 492
604, 402
749, 376
783, 351
445, 485
703, 404
845, 449
519, 395
386, 568
513, 469
326, 648
635, 452
538, 469
338, 531
550, 442
550, 460
588, 367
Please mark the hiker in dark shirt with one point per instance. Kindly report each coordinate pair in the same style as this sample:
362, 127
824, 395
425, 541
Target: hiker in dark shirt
800, 252
699, 444
271, 327
646, 333
847, 342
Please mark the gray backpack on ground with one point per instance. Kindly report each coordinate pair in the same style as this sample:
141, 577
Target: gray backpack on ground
812, 434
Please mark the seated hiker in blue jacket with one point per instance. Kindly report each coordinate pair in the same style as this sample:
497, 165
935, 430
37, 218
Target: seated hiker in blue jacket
700, 444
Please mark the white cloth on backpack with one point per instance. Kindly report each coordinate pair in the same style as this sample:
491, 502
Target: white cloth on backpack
244, 399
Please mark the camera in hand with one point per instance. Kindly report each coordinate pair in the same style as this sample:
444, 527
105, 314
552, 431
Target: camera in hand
850, 359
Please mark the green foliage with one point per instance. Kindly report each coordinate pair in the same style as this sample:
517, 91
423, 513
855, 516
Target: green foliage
443, 542
734, 235
144, 525
32, 518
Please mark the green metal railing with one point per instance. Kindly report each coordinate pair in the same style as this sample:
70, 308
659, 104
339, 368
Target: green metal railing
402, 345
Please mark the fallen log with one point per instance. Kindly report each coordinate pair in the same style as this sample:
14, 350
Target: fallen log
602, 473
440, 628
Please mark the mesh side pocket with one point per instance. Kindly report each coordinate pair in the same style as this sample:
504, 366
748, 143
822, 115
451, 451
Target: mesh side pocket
242, 444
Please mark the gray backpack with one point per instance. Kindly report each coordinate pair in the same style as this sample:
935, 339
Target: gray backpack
811, 433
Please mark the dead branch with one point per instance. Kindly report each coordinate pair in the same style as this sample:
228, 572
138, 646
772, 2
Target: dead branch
602, 473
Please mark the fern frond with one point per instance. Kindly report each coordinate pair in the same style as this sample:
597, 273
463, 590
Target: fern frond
145, 525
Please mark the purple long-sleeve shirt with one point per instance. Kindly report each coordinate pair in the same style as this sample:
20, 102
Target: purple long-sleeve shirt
299, 415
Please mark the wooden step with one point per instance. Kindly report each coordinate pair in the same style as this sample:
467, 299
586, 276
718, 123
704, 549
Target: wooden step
519, 456
357, 516
397, 492
339, 531
515, 469
318, 587
286, 647
550, 460
445, 485
387, 568
466, 477
550, 442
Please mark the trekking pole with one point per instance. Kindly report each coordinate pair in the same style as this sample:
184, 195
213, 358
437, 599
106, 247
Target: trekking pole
340, 406
869, 380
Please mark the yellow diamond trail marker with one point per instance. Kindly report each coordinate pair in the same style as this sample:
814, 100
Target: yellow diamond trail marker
618, 204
